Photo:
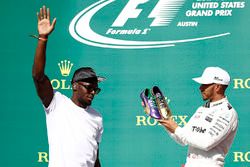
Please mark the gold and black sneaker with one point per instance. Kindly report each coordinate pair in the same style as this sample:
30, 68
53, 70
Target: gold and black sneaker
161, 102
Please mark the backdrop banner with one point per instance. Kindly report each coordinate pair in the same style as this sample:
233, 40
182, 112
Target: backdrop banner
135, 44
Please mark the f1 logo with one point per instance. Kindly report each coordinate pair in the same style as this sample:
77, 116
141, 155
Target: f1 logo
163, 13
129, 11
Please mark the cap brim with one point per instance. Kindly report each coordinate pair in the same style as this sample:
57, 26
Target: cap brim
100, 79
201, 80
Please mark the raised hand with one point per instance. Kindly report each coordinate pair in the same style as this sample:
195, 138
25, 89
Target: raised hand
44, 25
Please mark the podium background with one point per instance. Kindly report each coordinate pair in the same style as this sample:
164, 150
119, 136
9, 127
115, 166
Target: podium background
126, 140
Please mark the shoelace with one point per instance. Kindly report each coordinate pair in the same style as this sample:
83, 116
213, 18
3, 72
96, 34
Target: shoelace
161, 99
152, 103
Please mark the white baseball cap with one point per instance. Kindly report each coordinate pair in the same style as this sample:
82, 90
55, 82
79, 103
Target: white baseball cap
213, 75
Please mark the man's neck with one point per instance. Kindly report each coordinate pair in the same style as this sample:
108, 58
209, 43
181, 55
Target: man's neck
217, 98
76, 102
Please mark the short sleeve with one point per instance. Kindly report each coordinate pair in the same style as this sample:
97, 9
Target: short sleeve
52, 104
99, 135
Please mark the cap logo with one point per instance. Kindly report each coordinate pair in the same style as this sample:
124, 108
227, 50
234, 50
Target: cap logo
218, 79
65, 67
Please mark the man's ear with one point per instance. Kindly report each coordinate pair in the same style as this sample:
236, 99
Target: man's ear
221, 89
74, 86
218, 88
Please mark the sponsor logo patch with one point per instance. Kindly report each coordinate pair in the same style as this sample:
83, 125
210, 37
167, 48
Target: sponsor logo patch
209, 119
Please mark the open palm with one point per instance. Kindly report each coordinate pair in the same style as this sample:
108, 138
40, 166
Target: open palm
44, 25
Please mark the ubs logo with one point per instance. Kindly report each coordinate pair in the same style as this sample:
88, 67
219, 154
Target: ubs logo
138, 24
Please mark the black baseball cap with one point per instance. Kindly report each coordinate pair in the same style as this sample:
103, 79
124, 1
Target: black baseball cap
86, 74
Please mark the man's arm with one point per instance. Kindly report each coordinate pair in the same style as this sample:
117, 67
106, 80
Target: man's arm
171, 126
43, 86
203, 134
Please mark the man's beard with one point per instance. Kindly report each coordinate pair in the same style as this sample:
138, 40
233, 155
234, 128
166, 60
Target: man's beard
84, 103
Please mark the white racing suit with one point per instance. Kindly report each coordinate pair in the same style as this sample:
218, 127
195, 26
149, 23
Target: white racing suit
209, 134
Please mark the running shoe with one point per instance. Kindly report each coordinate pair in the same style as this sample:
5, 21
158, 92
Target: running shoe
150, 106
161, 103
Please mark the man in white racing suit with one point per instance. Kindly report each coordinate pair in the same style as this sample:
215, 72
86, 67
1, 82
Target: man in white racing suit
210, 131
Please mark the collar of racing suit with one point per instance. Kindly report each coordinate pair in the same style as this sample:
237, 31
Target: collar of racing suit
216, 103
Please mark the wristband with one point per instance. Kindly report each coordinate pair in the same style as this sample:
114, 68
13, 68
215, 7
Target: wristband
39, 38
